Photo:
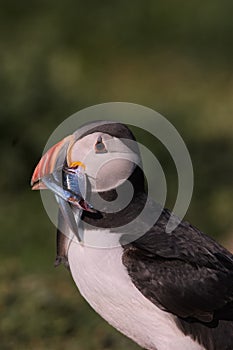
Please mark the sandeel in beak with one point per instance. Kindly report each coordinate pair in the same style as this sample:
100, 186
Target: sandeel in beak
67, 180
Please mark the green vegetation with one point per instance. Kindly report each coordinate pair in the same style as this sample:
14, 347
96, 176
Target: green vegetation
59, 57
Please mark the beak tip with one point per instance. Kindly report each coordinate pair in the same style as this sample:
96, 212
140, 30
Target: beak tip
38, 185
34, 186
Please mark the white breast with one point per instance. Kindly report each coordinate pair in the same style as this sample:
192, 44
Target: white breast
104, 282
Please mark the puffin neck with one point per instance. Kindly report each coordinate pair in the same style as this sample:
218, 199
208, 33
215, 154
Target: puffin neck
104, 219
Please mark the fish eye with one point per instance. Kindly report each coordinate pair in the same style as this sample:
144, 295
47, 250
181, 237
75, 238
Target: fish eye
100, 146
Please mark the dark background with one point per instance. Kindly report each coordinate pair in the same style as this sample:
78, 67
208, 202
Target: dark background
59, 57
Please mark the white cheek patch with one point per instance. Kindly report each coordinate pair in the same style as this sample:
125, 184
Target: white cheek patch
110, 174
106, 170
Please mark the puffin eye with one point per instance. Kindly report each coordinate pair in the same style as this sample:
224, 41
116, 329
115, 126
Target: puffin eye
100, 146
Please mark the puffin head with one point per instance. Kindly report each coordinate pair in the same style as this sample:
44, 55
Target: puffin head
107, 154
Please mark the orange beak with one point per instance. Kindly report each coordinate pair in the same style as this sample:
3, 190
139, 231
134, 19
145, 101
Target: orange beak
49, 162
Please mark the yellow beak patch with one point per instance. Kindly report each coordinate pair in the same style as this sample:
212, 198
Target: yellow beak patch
76, 164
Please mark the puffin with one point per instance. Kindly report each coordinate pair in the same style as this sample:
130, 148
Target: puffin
164, 290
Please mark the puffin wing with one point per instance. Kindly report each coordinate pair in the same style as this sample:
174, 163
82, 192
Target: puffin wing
184, 272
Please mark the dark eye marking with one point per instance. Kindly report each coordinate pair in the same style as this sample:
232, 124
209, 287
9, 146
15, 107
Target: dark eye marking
100, 146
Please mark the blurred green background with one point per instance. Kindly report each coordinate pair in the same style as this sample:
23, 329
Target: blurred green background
58, 57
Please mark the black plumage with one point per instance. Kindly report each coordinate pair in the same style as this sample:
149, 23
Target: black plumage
188, 274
